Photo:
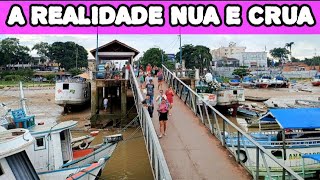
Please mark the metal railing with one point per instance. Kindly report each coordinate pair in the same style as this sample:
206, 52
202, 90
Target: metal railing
230, 135
157, 161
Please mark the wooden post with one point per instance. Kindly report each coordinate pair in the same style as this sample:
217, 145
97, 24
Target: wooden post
124, 89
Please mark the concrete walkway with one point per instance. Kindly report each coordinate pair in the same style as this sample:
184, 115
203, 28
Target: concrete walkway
191, 151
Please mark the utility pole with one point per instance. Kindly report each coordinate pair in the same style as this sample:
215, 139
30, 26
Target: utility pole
180, 50
97, 61
77, 58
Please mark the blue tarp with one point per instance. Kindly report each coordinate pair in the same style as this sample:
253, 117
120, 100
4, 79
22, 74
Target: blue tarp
312, 156
302, 118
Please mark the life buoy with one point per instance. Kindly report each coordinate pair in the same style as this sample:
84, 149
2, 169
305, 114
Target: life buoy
242, 155
83, 145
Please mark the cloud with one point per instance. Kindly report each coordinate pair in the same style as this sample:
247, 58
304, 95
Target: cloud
304, 45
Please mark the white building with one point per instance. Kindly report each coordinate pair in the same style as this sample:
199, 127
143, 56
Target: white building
227, 52
252, 59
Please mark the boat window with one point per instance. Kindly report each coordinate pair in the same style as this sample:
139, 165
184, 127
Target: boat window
1, 170
235, 92
62, 136
65, 86
277, 153
40, 143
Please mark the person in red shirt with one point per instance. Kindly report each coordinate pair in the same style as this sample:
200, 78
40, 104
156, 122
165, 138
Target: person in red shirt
169, 93
148, 69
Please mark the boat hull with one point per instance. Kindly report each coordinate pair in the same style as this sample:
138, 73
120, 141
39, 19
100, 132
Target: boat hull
87, 172
72, 93
315, 83
103, 150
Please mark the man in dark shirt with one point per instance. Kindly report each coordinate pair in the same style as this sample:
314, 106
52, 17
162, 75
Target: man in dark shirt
150, 89
149, 104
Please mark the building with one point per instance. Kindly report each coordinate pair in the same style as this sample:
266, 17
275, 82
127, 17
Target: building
299, 66
227, 62
252, 59
227, 51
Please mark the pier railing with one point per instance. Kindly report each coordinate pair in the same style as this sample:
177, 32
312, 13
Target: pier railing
256, 160
157, 161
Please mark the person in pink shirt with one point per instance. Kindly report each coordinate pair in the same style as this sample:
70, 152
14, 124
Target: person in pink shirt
170, 94
163, 118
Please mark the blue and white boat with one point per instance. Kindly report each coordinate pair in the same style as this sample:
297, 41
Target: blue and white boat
316, 80
247, 82
299, 134
235, 81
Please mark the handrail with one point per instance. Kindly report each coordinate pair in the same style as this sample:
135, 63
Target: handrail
157, 161
260, 149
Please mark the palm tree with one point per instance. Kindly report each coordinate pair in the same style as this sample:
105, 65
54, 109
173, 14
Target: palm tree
289, 45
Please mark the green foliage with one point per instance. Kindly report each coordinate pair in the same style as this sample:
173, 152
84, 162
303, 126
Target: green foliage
12, 78
75, 71
42, 49
280, 53
25, 74
153, 56
11, 52
68, 54
240, 72
50, 77
195, 56
169, 64
315, 61
293, 59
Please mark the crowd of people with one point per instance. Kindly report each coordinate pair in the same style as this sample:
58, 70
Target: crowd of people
164, 101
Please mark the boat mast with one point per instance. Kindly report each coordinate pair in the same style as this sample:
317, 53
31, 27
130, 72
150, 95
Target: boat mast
22, 99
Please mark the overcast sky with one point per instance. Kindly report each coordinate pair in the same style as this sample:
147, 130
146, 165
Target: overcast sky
304, 45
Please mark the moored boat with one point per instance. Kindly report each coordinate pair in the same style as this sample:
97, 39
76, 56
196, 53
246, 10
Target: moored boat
298, 135
316, 80
72, 92
235, 81
247, 82
264, 81
279, 81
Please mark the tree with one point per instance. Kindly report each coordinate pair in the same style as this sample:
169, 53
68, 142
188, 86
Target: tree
280, 53
289, 45
153, 56
11, 52
240, 72
293, 59
195, 56
68, 54
42, 49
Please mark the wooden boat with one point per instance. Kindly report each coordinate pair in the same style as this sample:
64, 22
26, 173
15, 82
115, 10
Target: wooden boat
247, 82
279, 81
256, 99
83, 142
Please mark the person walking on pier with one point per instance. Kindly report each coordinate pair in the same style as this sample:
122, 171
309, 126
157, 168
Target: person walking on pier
149, 104
160, 79
163, 117
105, 104
150, 89
169, 93
148, 78
160, 97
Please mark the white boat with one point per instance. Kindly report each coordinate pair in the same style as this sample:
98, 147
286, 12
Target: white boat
316, 80
220, 95
301, 136
279, 81
15, 163
72, 92
264, 81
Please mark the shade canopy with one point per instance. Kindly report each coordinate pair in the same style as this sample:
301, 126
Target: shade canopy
312, 156
302, 118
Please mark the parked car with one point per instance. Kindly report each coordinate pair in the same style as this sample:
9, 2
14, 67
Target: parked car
101, 71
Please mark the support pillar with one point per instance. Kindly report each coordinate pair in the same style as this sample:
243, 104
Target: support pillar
94, 98
124, 89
